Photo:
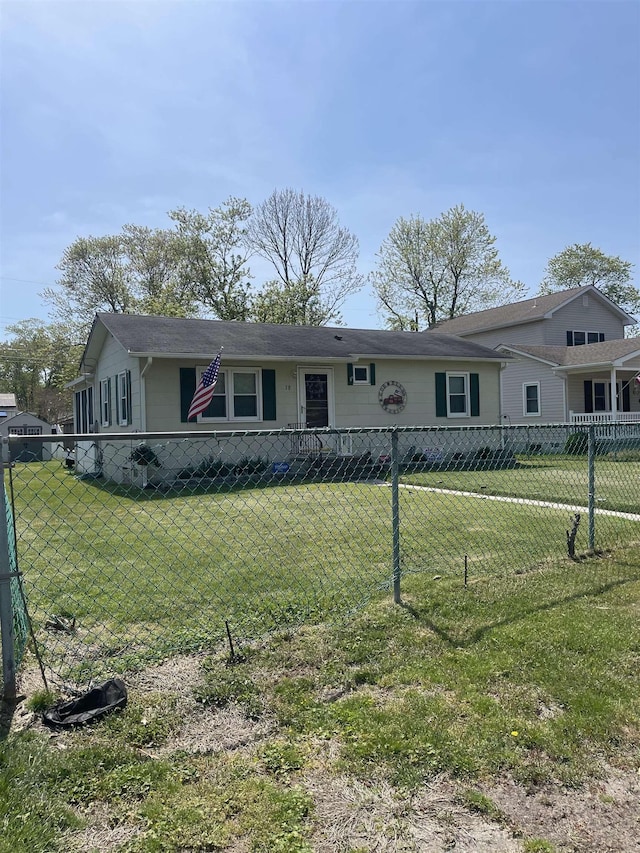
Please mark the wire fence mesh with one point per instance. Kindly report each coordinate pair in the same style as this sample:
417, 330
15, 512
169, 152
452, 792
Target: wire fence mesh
136, 546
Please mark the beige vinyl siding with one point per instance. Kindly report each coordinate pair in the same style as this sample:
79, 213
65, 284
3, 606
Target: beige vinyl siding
551, 396
163, 397
358, 405
355, 405
113, 361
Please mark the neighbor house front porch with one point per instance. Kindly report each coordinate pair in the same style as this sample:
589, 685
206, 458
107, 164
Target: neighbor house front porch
604, 417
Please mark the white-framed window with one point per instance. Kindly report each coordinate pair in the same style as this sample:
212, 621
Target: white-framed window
236, 396
123, 397
600, 397
578, 338
531, 398
361, 374
105, 402
457, 395
27, 430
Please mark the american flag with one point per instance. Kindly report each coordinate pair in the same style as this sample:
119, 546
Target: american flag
204, 391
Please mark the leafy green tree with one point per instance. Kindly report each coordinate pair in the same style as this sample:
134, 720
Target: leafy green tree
297, 304
582, 264
429, 271
313, 256
136, 271
153, 261
94, 278
36, 363
214, 257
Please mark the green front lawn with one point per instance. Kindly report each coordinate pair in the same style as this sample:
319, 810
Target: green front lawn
562, 479
143, 571
535, 682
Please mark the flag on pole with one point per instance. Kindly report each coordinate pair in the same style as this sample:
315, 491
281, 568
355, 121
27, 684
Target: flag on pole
204, 391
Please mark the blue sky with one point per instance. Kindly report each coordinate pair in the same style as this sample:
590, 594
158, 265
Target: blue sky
115, 112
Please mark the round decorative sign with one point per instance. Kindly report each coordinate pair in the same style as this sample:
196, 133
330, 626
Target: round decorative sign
392, 397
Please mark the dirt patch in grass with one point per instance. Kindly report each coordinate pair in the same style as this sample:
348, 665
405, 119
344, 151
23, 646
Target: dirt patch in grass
202, 730
601, 817
352, 815
100, 835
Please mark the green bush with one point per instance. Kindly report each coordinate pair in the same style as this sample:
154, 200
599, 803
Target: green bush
577, 444
210, 467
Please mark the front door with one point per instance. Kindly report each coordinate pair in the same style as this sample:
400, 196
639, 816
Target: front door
315, 393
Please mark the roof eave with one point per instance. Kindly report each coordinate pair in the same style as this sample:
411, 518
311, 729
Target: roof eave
342, 359
525, 354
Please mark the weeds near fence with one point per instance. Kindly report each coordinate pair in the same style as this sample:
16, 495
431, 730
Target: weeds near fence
529, 680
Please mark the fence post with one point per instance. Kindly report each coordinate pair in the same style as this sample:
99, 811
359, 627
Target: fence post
6, 609
395, 514
591, 463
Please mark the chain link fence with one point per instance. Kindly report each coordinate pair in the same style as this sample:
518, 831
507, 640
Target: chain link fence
132, 547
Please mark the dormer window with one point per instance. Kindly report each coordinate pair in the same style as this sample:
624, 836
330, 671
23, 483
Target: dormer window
579, 338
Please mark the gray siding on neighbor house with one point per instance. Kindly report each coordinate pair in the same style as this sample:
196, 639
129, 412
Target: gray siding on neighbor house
527, 333
551, 393
575, 386
578, 316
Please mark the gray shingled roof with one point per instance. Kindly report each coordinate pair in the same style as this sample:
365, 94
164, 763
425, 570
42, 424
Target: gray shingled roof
171, 336
527, 311
602, 353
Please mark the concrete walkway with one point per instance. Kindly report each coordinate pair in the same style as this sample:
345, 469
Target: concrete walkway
629, 516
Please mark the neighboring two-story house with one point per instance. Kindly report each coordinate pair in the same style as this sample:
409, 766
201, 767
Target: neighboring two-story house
571, 363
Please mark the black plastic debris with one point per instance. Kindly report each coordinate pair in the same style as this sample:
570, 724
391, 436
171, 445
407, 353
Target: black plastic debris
92, 705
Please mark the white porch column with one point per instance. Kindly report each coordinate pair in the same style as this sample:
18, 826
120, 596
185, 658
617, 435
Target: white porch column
613, 390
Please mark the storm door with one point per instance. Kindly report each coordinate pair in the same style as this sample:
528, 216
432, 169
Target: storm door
315, 392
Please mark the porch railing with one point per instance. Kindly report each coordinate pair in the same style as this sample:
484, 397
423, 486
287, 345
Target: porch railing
605, 417
304, 444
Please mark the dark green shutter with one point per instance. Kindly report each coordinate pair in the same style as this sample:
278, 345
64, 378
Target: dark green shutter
372, 374
119, 399
588, 396
569, 339
474, 393
626, 398
109, 416
268, 395
349, 374
187, 390
129, 413
441, 395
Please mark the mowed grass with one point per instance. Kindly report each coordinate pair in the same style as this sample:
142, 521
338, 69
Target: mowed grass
562, 479
146, 570
536, 681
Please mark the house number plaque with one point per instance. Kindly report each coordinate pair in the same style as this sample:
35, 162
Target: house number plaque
392, 397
